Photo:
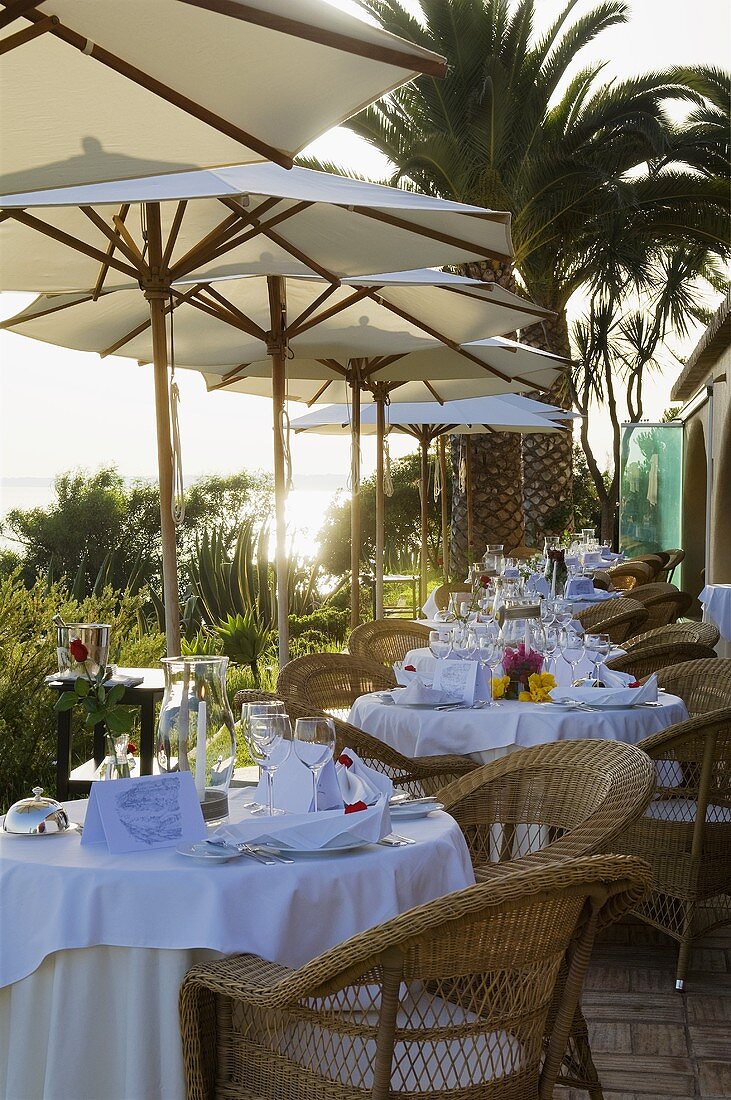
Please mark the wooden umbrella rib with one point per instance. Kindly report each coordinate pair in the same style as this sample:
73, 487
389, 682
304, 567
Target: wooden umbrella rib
319, 300
14, 9
104, 269
381, 362
121, 239
72, 242
163, 91
438, 336
524, 307
220, 315
264, 229
433, 234
259, 229
433, 392
357, 296
191, 259
173, 234
35, 30
285, 24
169, 307
319, 393
256, 330
333, 365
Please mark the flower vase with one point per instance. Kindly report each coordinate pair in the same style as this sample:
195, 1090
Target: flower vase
514, 688
115, 764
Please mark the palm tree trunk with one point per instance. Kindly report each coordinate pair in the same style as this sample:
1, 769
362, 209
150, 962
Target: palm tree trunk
547, 459
497, 485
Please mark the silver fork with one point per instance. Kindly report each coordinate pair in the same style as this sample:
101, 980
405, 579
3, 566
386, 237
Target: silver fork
393, 840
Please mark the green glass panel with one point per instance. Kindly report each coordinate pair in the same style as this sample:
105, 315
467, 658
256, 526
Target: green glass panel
650, 502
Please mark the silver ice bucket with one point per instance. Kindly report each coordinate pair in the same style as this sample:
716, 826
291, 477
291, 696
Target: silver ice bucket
93, 636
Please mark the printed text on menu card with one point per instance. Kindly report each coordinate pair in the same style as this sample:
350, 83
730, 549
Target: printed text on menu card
457, 680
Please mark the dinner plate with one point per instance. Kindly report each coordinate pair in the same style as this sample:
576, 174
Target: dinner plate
309, 853
206, 853
415, 811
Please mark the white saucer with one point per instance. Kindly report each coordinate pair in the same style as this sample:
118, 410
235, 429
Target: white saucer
206, 853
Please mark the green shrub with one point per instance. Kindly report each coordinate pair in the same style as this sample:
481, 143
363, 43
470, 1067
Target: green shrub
332, 622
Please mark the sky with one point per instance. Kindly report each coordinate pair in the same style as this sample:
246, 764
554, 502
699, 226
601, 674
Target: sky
61, 409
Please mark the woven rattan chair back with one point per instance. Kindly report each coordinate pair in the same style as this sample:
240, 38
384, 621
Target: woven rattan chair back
452, 997
704, 633
674, 558
663, 608
655, 562
332, 681
424, 775
644, 661
620, 618
551, 802
686, 833
386, 640
628, 574
702, 685
443, 592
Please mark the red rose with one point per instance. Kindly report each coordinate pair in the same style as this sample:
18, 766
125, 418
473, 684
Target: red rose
355, 807
484, 580
131, 747
78, 650
345, 759
409, 668
635, 684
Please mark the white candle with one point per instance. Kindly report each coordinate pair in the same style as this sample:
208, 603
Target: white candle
553, 581
200, 749
526, 640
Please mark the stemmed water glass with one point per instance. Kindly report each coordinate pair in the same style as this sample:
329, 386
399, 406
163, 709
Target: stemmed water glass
269, 740
259, 709
490, 653
598, 648
440, 643
314, 744
563, 613
551, 643
572, 650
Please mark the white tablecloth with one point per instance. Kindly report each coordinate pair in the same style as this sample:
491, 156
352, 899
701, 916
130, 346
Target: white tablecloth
489, 734
716, 600
92, 1023
423, 661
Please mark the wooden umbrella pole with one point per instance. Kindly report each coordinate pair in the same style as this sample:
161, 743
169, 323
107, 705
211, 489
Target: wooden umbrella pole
470, 515
156, 292
355, 534
445, 513
277, 340
424, 487
380, 497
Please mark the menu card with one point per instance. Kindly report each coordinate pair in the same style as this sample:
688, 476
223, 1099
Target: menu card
456, 680
579, 586
137, 815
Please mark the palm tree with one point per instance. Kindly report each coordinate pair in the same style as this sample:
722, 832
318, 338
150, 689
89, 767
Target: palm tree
517, 125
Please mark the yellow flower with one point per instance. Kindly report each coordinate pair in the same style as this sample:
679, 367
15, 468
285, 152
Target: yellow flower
540, 684
499, 686
526, 697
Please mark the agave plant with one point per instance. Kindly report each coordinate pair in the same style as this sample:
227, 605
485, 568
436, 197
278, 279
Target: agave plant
243, 641
239, 586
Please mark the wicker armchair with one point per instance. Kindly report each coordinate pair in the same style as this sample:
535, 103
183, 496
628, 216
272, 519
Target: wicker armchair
547, 804
332, 681
387, 641
652, 658
628, 574
452, 997
686, 631
702, 685
443, 592
686, 832
674, 558
655, 561
618, 618
419, 776
664, 603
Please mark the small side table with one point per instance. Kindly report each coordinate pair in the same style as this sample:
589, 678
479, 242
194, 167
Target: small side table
143, 695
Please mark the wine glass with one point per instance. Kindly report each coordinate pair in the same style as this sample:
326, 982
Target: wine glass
563, 613
548, 611
571, 645
259, 708
550, 645
490, 653
598, 648
440, 643
314, 744
269, 740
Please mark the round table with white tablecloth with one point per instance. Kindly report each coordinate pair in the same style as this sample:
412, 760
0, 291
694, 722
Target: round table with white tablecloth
94, 946
489, 733
424, 661
716, 600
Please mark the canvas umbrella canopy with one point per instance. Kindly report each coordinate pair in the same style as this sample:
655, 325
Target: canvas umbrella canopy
104, 90
255, 218
425, 422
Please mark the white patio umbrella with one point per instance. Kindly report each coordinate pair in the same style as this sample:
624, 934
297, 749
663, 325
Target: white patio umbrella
425, 422
109, 90
85, 239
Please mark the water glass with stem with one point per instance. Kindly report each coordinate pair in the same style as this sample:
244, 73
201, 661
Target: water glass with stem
314, 744
490, 653
571, 645
255, 709
269, 740
598, 648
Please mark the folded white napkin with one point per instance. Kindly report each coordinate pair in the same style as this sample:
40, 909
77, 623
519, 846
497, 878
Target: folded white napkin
417, 693
571, 561
607, 697
293, 784
538, 584
329, 830
358, 782
612, 679
404, 677
578, 588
